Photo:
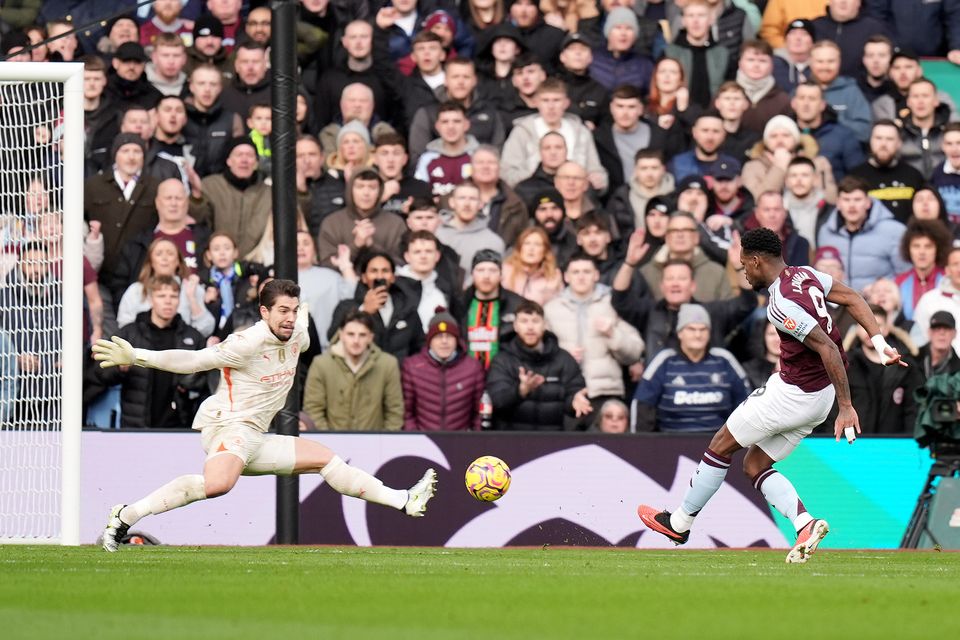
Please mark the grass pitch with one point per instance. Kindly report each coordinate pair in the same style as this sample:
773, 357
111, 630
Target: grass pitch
349, 593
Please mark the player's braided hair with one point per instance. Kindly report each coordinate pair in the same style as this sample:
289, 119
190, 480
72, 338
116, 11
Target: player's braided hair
761, 241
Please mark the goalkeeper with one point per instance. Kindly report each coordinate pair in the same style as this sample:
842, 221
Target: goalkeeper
258, 367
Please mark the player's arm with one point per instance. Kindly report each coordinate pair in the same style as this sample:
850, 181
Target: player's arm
117, 352
841, 294
819, 341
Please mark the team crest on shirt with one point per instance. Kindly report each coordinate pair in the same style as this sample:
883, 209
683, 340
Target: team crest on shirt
293, 350
790, 324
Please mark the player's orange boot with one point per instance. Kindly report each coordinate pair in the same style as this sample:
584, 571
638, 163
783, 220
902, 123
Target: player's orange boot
659, 521
808, 539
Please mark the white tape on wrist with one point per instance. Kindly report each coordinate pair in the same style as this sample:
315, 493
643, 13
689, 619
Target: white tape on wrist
880, 344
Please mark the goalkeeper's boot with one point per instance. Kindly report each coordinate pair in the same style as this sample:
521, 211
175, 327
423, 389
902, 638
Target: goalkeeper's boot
116, 529
659, 521
419, 494
808, 539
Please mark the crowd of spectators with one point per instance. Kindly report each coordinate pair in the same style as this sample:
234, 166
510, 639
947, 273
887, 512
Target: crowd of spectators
512, 214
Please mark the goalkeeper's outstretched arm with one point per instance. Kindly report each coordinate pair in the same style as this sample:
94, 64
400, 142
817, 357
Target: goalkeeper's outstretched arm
117, 352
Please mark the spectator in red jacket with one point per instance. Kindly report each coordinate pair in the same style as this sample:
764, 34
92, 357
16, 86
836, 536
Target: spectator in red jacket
442, 387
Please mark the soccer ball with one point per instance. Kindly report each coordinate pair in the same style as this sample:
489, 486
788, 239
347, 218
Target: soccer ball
487, 478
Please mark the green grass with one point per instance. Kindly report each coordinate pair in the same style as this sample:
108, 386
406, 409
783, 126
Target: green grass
357, 593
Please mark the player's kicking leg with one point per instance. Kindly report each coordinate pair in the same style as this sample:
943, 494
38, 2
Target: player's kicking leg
313, 457
704, 484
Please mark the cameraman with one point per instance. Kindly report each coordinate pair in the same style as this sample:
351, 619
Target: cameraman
938, 356
391, 300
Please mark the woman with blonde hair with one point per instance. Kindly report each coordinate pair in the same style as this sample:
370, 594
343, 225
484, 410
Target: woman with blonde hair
164, 259
531, 269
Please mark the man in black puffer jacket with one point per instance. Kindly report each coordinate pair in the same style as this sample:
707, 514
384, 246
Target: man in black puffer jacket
535, 385
151, 398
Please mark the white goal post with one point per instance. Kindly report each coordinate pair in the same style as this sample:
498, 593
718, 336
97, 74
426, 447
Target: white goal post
41, 134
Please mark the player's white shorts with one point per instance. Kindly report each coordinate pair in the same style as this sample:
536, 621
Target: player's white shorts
261, 453
778, 416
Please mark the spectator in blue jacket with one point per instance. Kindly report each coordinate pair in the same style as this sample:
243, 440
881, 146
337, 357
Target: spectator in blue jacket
946, 177
691, 389
929, 28
837, 143
791, 64
865, 233
850, 28
619, 63
841, 92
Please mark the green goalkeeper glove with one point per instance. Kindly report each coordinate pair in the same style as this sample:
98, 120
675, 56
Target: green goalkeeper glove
115, 352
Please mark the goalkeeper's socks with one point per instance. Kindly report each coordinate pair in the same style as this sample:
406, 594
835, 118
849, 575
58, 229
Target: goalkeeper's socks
357, 483
176, 493
779, 492
708, 478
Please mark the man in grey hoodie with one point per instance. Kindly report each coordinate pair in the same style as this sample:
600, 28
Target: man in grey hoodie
464, 230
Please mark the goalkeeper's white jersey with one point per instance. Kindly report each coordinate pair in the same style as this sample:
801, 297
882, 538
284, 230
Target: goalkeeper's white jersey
257, 370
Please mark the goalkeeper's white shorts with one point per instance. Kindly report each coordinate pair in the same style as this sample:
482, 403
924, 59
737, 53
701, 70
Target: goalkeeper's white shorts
777, 416
261, 453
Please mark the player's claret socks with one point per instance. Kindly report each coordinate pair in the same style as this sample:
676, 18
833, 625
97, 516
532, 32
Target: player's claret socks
659, 521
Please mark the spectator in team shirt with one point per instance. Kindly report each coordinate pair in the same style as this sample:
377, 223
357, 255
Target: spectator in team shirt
210, 126
355, 386
836, 142
442, 385
925, 244
588, 328
490, 308
866, 234
535, 385
446, 161
693, 388
166, 19
946, 177
891, 180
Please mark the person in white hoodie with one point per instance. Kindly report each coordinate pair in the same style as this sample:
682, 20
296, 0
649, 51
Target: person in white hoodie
587, 327
422, 254
946, 297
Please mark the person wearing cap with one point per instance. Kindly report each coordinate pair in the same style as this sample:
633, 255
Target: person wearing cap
121, 198
946, 297
489, 308
455, 39
938, 356
778, 14
497, 48
840, 92
251, 80
460, 86
167, 61
128, 83
209, 125
649, 180
166, 19
693, 388
847, 24
535, 385
207, 46
236, 201
351, 151
755, 75
464, 229
229, 15
791, 62
922, 129
588, 328
708, 136
548, 213
442, 385
355, 386
732, 201
542, 39
932, 29
705, 61
782, 142
836, 143
520, 151
883, 396
617, 62
891, 180
866, 233
588, 99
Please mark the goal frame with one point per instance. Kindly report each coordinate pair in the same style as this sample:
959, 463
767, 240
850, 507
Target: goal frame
70, 74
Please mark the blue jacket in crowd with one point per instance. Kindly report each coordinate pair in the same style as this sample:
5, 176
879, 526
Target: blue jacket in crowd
852, 109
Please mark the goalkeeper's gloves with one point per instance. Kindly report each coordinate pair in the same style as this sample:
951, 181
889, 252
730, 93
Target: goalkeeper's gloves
115, 352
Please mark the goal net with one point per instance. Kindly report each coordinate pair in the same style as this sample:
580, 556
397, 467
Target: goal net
41, 303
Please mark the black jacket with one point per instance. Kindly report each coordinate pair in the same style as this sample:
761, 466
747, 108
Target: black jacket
208, 133
509, 301
239, 96
404, 335
140, 92
324, 196
545, 408
588, 99
658, 323
151, 398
